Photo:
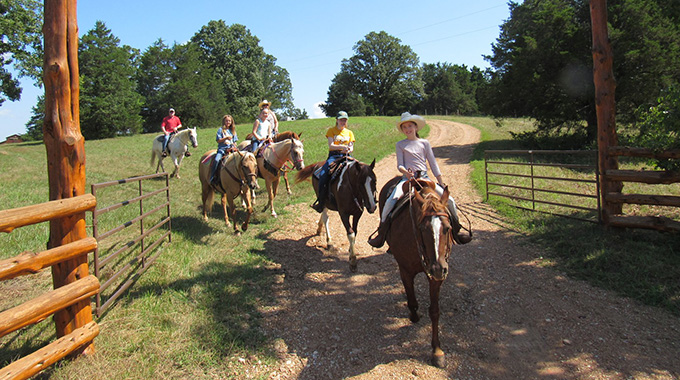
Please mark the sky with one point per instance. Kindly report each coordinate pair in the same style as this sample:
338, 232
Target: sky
308, 38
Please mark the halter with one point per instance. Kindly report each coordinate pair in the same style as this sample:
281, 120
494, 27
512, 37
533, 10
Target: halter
281, 162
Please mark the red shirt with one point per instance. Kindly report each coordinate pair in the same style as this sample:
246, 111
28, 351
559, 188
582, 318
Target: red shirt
170, 123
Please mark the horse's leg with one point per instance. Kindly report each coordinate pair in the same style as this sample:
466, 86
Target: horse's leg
351, 237
411, 301
323, 223
274, 190
438, 356
285, 180
224, 207
232, 213
207, 195
249, 209
178, 162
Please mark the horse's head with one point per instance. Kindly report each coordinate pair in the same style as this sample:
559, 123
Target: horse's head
249, 168
434, 235
193, 137
297, 152
366, 177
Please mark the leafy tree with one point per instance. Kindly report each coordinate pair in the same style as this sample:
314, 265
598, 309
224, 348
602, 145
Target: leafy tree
246, 72
34, 126
448, 89
342, 96
382, 73
20, 45
193, 89
109, 105
543, 62
154, 74
660, 126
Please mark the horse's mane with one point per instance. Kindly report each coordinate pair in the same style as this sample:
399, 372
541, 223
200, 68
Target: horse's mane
431, 201
286, 135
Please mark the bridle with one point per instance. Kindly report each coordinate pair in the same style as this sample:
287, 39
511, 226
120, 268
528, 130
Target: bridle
414, 225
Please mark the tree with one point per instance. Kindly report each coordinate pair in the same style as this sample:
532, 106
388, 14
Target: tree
448, 89
20, 45
34, 126
660, 127
194, 90
109, 104
246, 72
542, 62
155, 73
383, 74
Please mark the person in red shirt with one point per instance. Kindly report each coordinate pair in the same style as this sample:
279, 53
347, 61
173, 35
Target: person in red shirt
169, 126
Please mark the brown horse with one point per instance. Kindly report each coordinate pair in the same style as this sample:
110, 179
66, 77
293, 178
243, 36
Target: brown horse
274, 156
352, 190
420, 238
237, 176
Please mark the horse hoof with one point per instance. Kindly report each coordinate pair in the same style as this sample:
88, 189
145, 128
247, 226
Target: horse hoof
274, 214
439, 360
244, 227
414, 317
353, 267
237, 233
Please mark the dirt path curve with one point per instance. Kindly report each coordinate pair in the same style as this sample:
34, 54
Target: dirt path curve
503, 316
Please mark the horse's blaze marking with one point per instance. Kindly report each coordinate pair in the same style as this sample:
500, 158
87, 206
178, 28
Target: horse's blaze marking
367, 185
436, 227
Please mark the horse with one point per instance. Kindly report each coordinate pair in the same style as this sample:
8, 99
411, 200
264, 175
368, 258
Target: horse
244, 145
272, 159
237, 176
352, 190
420, 238
177, 146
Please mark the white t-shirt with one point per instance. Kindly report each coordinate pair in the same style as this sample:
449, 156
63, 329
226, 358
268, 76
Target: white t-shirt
415, 154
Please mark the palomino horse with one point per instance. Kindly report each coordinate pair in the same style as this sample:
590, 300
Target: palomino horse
352, 190
420, 238
274, 156
177, 146
237, 176
245, 145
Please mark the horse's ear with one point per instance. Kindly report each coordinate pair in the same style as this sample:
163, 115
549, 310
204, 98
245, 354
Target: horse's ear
419, 197
300, 135
445, 195
373, 164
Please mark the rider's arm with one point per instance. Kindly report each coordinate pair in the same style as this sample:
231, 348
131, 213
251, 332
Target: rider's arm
255, 125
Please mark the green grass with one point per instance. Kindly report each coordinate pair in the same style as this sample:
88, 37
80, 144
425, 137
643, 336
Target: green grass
196, 313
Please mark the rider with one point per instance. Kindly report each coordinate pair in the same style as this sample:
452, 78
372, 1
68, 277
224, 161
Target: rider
272, 117
169, 126
262, 130
226, 139
340, 143
413, 155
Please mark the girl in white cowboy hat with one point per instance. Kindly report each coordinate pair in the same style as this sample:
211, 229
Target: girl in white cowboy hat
413, 155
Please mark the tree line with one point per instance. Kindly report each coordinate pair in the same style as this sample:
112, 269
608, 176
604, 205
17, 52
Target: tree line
540, 68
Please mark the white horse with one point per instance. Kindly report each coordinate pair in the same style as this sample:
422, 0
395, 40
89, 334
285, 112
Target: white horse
177, 146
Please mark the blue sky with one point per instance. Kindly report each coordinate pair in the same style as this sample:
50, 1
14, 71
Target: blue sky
308, 38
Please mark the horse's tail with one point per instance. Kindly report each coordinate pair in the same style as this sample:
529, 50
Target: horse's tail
153, 157
307, 171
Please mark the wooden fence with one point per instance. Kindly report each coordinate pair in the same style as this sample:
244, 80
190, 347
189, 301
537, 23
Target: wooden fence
37, 309
532, 187
131, 259
654, 177
497, 169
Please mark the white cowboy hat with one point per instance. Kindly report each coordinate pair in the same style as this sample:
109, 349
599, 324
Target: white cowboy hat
262, 103
418, 120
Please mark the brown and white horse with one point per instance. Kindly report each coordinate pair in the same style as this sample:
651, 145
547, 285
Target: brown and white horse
421, 238
279, 137
353, 189
237, 176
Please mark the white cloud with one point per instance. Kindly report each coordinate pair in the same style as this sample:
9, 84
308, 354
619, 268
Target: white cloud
317, 112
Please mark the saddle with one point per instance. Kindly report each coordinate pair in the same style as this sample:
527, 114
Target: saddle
221, 164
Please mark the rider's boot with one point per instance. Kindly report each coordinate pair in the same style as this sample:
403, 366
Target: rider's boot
319, 205
458, 236
378, 240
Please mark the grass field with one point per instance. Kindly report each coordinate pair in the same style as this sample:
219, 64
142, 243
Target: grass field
195, 313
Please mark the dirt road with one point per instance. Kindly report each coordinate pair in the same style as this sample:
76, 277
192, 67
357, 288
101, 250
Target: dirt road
503, 316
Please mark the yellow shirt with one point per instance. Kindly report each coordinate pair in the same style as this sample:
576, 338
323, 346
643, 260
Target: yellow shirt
344, 137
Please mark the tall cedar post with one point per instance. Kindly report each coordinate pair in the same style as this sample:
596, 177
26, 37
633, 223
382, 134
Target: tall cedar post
65, 148
605, 104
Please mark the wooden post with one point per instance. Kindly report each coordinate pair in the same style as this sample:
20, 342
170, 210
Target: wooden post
605, 105
65, 148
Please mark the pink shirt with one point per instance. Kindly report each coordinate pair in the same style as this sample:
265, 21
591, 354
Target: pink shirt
170, 123
415, 154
